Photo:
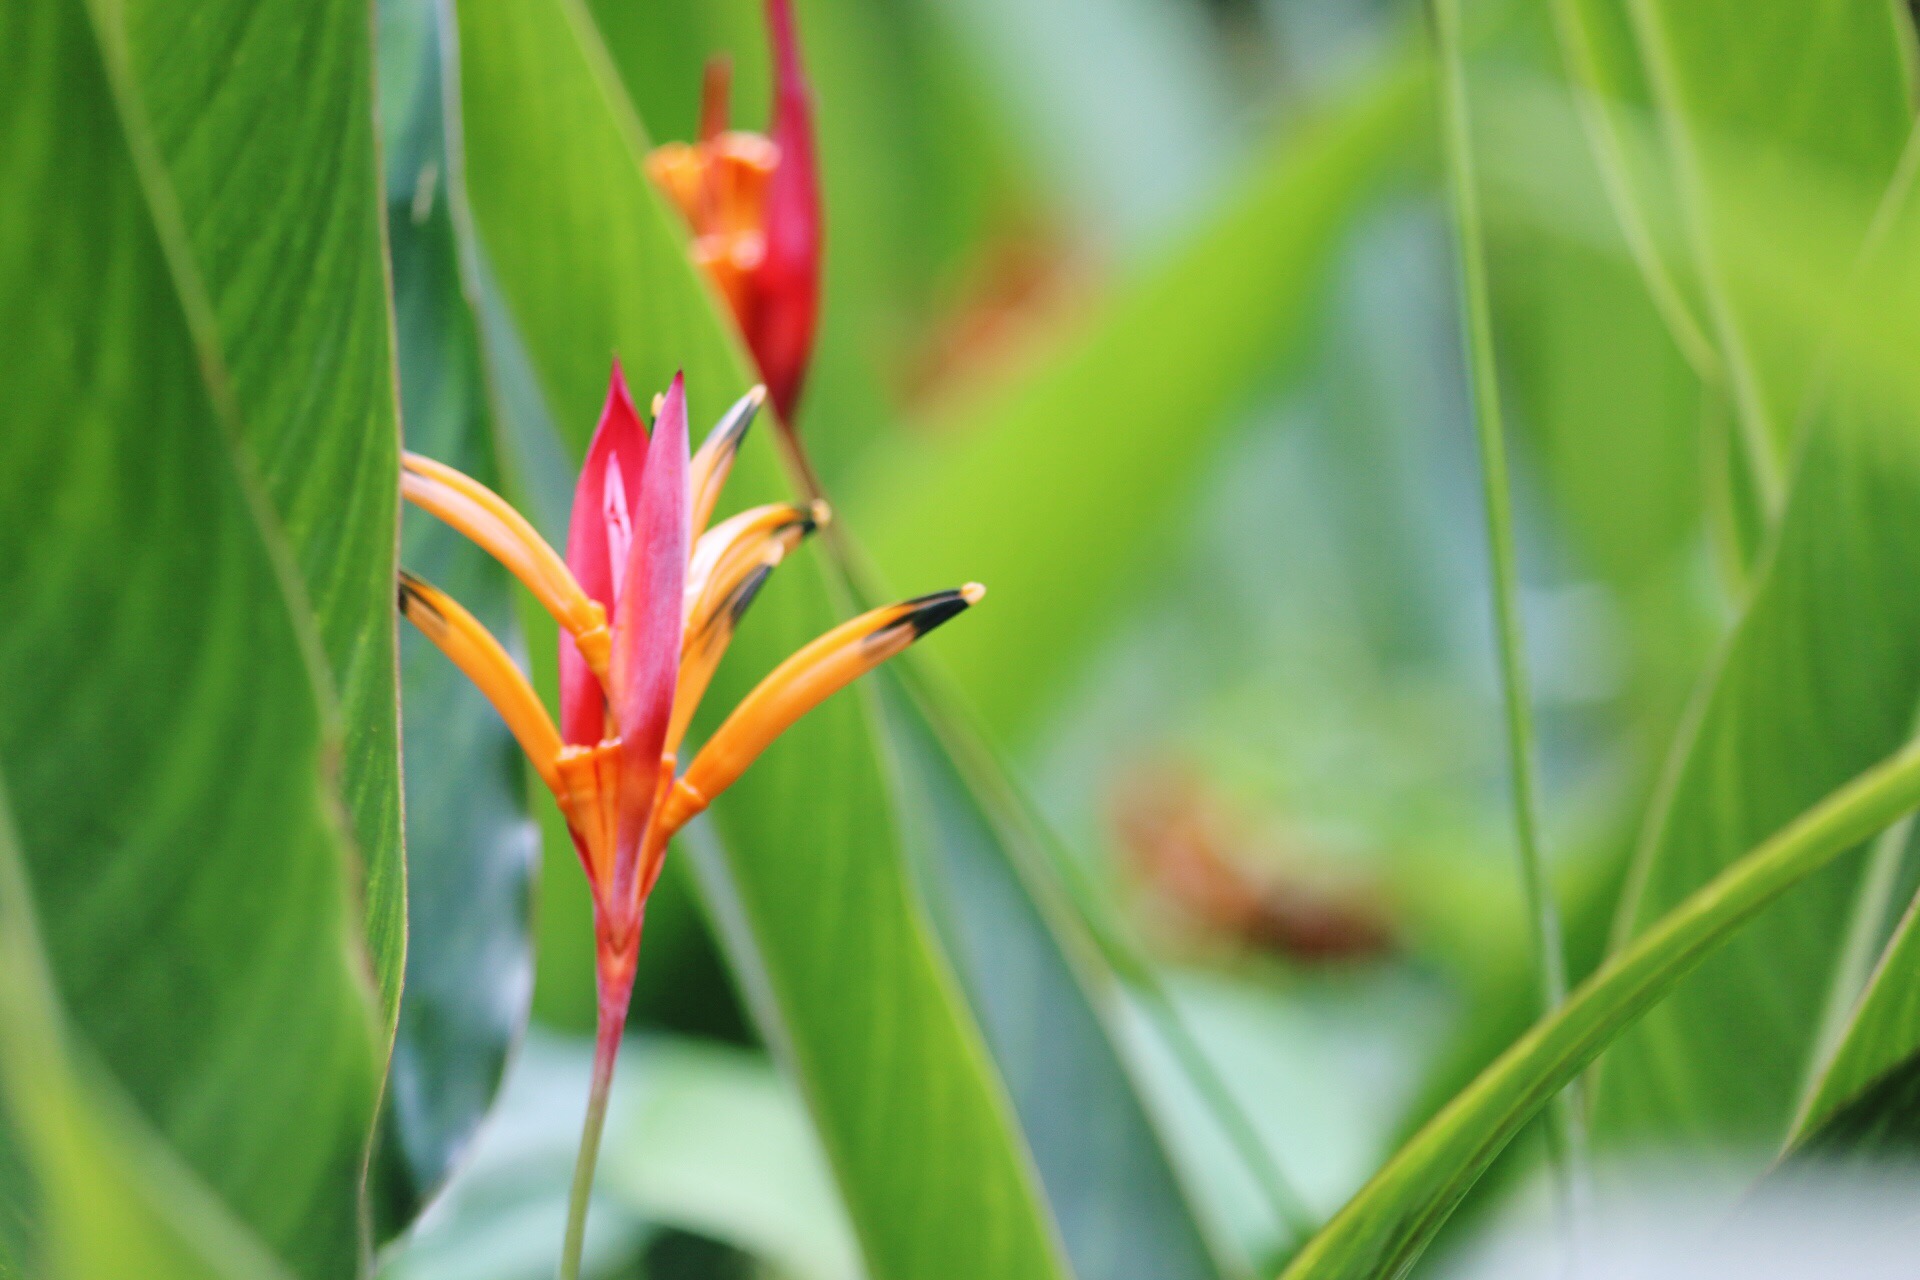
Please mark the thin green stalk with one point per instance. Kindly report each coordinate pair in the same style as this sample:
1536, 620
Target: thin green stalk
606, 1050
1383, 1229
1565, 1139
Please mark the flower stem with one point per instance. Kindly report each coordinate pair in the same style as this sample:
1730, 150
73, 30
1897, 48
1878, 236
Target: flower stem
606, 1048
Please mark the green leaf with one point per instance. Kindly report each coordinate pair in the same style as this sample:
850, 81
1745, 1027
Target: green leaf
1605, 396
801, 861
1820, 677
1724, 80
471, 843
1382, 1230
262, 114
1862, 1094
171, 756
1603, 68
1051, 484
109, 1201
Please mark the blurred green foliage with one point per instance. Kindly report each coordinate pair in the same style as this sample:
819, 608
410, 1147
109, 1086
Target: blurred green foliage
1193, 841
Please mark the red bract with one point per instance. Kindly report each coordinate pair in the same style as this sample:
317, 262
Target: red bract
781, 334
599, 536
753, 203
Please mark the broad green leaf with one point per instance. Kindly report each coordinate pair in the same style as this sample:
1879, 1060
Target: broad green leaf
805, 869
262, 115
1820, 677
1722, 72
1382, 1230
1600, 389
1602, 66
170, 756
471, 843
108, 1200
1052, 483
1836, 642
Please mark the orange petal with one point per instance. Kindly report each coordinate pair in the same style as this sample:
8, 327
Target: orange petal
459, 635
707, 473
800, 684
500, 531
729, 566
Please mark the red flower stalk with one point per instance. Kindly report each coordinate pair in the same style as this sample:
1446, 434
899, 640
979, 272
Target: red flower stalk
753, 203
647, 611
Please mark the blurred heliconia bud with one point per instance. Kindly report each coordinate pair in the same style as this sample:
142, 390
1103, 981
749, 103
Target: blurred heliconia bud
753, 204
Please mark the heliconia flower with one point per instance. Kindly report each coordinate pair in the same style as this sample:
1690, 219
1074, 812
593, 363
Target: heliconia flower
647, 610
753, 203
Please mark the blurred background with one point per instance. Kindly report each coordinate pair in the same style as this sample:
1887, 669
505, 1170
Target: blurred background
1244, 668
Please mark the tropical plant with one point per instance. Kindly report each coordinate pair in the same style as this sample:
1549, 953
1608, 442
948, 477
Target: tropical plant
1435, 770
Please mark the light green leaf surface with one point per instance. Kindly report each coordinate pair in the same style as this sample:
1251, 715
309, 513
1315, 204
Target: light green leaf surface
806, 873
170, 758
1011, 487
262, 115
1382, 1231
109, 1202
1820, 678
1724, 74
1603, 397
1603, 70
471, 843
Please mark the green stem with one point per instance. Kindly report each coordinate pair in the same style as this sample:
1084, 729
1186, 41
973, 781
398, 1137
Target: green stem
606, 1050
1565, 1139
1382, 1230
